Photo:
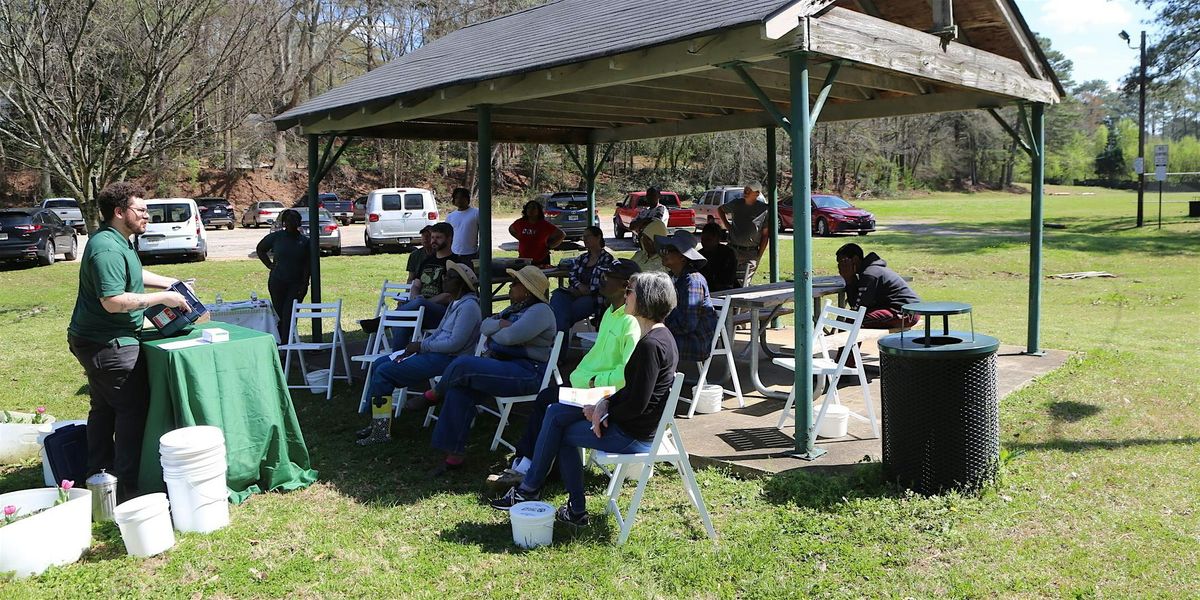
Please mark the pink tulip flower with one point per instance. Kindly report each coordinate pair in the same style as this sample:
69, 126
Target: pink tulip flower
10, 510
66, 485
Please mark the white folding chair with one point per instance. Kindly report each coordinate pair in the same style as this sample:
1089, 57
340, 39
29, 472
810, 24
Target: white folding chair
722, 345
841, 320
667, 446
430, 415
337, 345
504, 404
389, 319
390, 291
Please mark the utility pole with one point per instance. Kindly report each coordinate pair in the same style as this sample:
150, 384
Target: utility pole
1142, 130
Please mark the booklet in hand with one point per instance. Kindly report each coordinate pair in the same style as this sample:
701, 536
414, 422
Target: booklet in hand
582, 397
170, 321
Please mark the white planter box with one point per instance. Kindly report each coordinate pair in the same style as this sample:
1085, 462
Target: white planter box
56, 536
19, 441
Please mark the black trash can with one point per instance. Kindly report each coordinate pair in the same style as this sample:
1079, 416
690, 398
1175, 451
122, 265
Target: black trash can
941, 422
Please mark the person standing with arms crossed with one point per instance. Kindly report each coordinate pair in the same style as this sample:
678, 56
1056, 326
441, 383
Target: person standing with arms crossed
465, 220
104, 334
748, 231
286, 254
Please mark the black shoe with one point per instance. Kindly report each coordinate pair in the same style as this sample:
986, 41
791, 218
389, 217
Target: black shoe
513, 497
564, 515
362, 433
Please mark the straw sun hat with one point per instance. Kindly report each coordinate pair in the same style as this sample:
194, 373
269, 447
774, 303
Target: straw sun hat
465, 273
534, 280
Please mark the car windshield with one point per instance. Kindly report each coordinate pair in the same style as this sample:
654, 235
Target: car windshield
62, 204
169, 213
270, 205
830, 202
13, 219
568, 202
324, 218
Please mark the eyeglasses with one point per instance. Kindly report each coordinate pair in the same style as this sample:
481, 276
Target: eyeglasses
140, 211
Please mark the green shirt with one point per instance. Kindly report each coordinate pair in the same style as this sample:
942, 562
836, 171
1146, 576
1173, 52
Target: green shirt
618, 335
110, 267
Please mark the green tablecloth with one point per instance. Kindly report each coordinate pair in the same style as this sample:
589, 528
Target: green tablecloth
238, 386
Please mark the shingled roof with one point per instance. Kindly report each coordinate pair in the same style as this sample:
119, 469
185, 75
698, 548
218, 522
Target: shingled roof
494, 62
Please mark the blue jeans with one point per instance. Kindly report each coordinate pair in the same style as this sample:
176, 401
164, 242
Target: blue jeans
528, 442
414, 371
564, 432
433, 317
569, 310
472, 380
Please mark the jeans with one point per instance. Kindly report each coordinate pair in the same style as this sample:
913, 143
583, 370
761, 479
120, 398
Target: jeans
387, 374
564, 431
569, 309
472, 380
533, 427
434, 312
120, 397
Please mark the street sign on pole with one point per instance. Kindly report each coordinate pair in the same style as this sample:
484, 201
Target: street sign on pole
1160, 173
1160, 155
1139, 165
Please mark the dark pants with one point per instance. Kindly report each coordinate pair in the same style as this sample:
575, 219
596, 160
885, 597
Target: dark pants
434, 312
533, 426
282, 294
472, 380
117, 419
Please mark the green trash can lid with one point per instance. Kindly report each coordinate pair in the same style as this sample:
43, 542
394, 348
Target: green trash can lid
955, 344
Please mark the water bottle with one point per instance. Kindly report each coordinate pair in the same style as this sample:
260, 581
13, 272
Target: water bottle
220, 300
253, 295
104, 495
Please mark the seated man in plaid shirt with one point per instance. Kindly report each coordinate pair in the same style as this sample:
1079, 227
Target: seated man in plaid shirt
693, 323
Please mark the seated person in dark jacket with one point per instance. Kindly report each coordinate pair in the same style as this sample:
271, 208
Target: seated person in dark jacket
870, 283
623, 423
721, 270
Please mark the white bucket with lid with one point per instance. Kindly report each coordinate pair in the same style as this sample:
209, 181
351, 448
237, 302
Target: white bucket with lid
194, 468
708, 400
145, 524
317, 380
532, 524
836, 422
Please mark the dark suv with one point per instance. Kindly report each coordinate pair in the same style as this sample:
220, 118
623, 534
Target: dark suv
567, 210
215, 212
36, 234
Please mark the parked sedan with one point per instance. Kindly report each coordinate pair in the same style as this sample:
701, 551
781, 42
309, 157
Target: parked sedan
261, 213
331, 235
830, 215
36, 234
568, 211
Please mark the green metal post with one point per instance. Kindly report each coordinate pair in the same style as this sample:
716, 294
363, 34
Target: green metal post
314, 229
801, 132
590, 176
773, 202
484, 177
1037, 174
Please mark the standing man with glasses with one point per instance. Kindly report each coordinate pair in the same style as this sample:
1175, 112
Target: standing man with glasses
104, 334
746, 221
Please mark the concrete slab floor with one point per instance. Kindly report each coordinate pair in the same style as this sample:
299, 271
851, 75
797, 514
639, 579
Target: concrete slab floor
747, 441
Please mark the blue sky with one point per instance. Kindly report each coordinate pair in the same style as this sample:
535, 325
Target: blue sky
1086, 32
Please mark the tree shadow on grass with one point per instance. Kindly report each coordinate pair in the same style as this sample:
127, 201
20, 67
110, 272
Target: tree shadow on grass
1064, 445
27, 475
496, 537
1071, 412
821, 490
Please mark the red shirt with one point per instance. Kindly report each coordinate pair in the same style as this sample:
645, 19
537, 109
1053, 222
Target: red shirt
532, 239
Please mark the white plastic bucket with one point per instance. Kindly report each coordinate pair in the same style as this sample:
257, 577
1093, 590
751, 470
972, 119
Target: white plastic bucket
836, 422
317, 380
186, 440
47, 474
708, 400
19, 441
145, 524
199, 501
532, 524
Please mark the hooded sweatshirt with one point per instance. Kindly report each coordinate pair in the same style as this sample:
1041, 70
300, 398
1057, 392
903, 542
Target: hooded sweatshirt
879, 287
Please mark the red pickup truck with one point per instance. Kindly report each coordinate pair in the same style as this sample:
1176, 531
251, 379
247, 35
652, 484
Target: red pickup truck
677, 217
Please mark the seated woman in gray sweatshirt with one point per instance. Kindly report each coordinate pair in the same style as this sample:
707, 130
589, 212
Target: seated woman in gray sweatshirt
519, 343
455, 336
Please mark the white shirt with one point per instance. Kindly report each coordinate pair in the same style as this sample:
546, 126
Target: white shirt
466, 231
659, 212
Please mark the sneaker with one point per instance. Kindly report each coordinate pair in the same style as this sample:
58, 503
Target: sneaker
564, 515
505, 479
513, 497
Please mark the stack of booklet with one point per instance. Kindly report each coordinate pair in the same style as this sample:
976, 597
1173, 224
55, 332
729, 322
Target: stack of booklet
582, 397
170, 321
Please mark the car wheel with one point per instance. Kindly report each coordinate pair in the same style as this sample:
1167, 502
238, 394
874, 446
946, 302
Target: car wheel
863, 232
618, 228
336, 251
73, 253
229, 226
822, 228
48, 258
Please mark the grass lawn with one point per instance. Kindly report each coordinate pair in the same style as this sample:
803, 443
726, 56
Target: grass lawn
1098, 496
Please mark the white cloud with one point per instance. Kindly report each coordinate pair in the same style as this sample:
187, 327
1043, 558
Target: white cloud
1079, 16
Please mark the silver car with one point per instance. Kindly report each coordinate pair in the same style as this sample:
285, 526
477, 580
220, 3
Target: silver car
707, 205
331, 234
261, 213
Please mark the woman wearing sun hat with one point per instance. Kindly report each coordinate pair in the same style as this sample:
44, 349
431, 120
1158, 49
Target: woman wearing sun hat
519, 343
416, 363
647, 257
694, 320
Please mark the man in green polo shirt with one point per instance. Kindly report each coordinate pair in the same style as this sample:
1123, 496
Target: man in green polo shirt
602, 366
104, 330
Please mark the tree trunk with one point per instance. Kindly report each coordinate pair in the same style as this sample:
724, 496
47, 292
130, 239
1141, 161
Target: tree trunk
279, 169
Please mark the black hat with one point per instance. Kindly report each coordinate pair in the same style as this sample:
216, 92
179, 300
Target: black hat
623, 269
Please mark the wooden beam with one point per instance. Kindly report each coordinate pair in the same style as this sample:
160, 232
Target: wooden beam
587, 108
634, 98
736, 121
467, 132
850, 74
684, 101
864, 39
744, 43
1032, 60
691, 83
786, 18
774, 82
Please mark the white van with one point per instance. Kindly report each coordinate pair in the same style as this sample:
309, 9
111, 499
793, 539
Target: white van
396, 216
174, 229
